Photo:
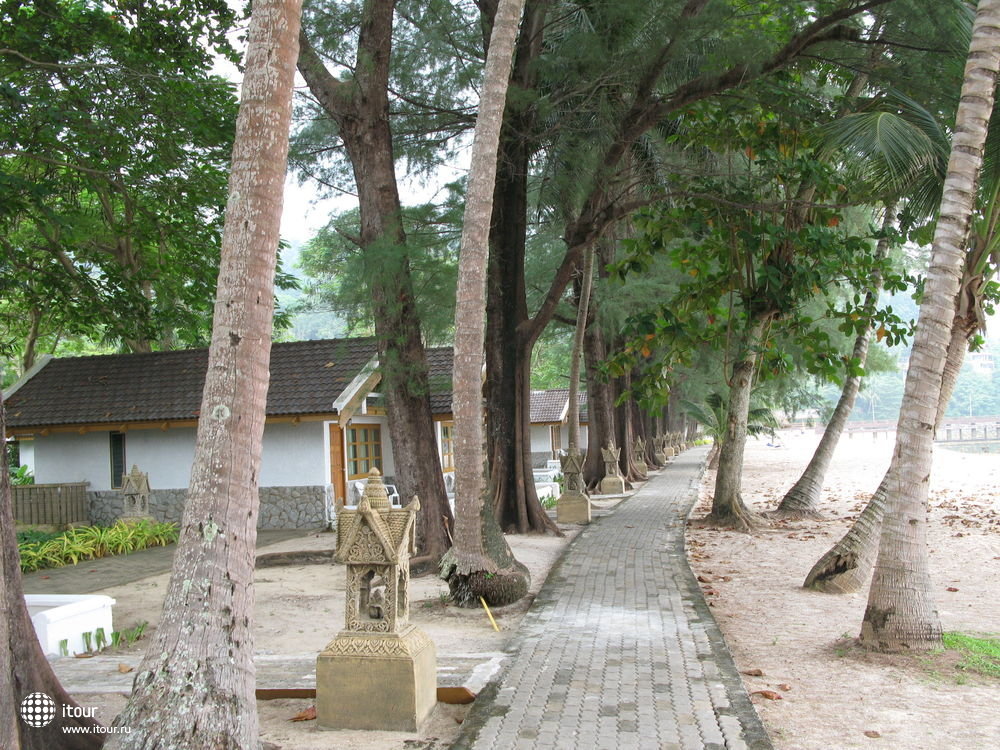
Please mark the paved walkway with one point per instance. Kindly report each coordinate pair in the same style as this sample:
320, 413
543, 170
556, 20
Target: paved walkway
619, 649
91, 576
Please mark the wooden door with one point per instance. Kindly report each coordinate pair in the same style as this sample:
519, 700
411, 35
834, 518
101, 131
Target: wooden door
337, 478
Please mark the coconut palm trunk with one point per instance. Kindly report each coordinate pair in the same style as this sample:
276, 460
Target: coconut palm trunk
901, 612
846, 567
480, 564
802, 500
195, 687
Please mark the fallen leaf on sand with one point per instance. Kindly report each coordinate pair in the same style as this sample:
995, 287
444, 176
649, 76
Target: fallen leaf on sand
784, 686
769, 694
753, 672
951, 588
872, 733
306, 715
125, 668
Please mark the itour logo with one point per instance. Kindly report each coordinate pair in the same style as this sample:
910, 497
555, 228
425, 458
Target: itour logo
38, 710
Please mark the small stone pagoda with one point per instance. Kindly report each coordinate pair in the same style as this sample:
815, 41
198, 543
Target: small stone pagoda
380, 672
573, 505
639, 455
613, 482
135, 496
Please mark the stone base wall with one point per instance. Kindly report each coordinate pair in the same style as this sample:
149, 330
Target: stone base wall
280, 507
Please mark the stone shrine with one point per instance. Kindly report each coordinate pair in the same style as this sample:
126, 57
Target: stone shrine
380, 672
639, 455
573, 505
135, 496
613, 482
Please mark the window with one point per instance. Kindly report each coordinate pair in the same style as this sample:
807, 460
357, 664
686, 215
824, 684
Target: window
447, 446
117, 459
364, 450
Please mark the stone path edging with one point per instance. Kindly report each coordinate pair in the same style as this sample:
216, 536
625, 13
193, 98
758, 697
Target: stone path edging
619, 648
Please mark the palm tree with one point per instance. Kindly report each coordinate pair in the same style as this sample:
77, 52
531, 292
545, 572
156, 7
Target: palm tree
904, 150
900, 612
195, 686
480, 563
711, 415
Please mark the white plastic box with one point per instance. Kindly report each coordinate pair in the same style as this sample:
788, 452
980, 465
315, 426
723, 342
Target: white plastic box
59, 617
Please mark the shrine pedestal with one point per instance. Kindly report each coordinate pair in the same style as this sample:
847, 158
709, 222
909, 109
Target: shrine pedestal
573, 507
612, 485
384, 681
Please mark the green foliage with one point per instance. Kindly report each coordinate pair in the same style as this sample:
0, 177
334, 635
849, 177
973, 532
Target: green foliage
113, 182
711, 415
337, 269
21, 476
40, 550
758, 243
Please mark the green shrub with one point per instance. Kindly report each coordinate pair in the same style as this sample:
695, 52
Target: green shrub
40, 550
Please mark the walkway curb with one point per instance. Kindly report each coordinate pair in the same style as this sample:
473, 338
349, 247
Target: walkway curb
619, 648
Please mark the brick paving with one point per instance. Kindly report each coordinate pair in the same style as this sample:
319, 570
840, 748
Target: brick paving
619, 649
91, 576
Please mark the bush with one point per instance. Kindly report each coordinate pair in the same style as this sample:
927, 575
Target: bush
40, 550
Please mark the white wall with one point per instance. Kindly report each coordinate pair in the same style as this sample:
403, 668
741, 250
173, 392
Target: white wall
26, 451
293, 455
541, 441
71, 457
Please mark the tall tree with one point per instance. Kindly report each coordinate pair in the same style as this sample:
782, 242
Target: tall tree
802, 500
481, 563
599, 119
359, 105
195, 687
24, 669
900, 612
114, 186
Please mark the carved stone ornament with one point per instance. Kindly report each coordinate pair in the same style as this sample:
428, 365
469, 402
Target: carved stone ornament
376, 540
380, 671
572, 469
135, 494
610, 456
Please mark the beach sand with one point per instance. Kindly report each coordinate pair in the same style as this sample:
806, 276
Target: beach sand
834, 695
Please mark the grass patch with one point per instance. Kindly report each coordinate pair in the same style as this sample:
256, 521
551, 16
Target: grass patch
978, 654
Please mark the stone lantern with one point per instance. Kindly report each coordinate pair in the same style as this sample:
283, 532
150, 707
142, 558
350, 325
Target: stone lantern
135, 496
639, 455
613, 482
573, 505
380, 672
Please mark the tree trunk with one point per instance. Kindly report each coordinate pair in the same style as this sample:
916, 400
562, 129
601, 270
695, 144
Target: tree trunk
583, 303
728, 509
361, 111
847, 566
900, 612
508, 355
600, 414
802, 500
195, 686
631, 470
480, 565
23, 667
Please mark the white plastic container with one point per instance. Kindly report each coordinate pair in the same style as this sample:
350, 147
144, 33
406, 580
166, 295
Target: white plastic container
59, 617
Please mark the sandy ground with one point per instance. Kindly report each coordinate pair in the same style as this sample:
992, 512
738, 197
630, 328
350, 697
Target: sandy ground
833, 695
300, 608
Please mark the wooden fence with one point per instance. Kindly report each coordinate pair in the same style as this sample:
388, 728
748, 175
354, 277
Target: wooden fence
51, 504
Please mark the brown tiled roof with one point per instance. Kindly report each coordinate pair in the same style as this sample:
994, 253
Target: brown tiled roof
306, 378
548, 407
440, 364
